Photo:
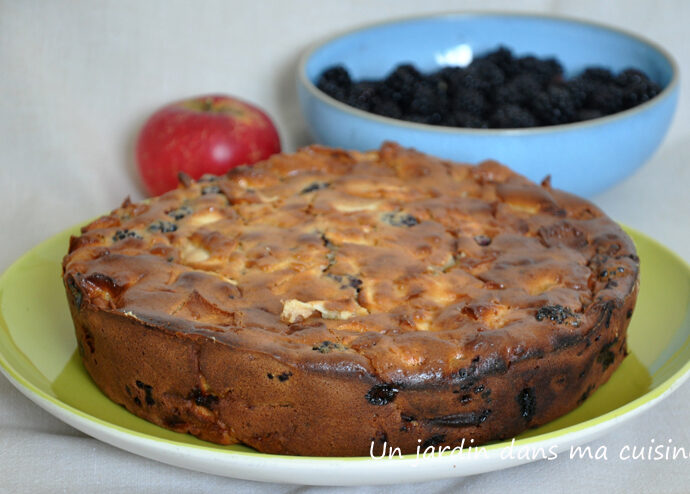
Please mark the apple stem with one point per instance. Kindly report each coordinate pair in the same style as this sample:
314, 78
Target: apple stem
207, 105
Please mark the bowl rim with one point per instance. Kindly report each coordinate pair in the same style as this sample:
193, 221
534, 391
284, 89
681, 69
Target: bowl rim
665, 93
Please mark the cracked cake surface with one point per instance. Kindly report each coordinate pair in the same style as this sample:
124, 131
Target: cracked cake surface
410, 287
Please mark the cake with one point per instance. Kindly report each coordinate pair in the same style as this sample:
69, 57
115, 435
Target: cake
326, 303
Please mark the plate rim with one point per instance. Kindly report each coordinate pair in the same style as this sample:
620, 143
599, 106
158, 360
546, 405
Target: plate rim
615, 416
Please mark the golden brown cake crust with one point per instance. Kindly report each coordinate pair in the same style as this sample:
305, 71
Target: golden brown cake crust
316, 302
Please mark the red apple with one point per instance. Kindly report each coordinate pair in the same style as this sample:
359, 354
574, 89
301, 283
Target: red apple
206, 134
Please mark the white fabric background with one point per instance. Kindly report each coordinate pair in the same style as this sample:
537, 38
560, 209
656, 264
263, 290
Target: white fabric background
76, 81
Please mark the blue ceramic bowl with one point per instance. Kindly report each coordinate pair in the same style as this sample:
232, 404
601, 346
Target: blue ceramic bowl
583, 157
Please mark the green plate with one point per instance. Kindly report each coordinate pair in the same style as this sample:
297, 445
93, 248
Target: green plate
38, 355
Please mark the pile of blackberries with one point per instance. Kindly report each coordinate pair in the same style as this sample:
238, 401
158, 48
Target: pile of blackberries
497, 90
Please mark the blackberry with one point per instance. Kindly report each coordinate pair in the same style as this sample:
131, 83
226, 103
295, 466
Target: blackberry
314, 186
470, 101
347, 281
387, 108
328, 347
482, 240
452, 76
606, 98
335, 82
556, 313
598, 74
381, 394
606, 357
202, 399
179, 213
123, 234
400, 83
162, 227
76, 292
630, 76
425, 101
400, 219
519, 91
528, 403
148, 392
504, 60
508, 95
554, 106
441, 89
210, 189
362, 95
512, 117
483, 75
580, 89
546, 71
637, 88
639, 93
354, 282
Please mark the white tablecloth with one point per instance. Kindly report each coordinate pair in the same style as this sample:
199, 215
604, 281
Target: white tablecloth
76, 81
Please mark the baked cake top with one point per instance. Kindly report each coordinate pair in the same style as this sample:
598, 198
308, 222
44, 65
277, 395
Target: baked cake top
392, 261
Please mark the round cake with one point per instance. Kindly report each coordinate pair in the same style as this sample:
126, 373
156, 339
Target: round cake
329, 302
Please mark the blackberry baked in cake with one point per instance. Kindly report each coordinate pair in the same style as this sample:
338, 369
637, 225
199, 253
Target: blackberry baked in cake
319, 301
